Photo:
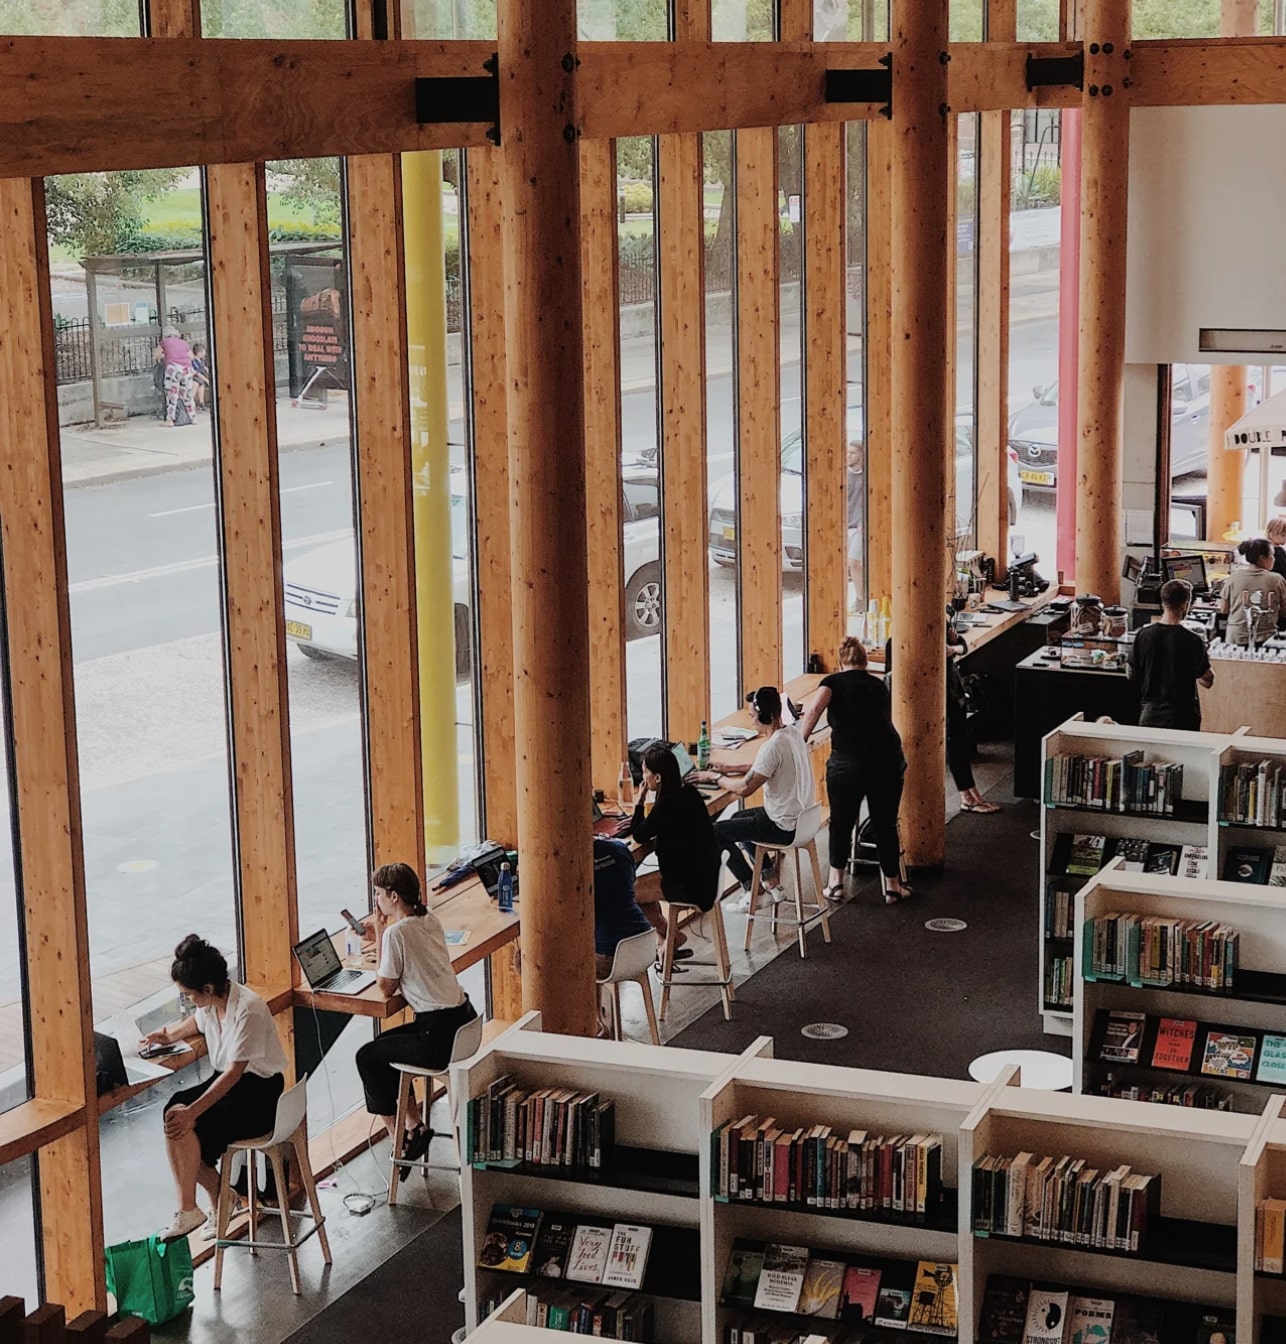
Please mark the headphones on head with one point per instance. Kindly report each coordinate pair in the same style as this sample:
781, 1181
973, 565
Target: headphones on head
762, 715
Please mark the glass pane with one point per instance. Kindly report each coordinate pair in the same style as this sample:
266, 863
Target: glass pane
964, 434
1035, 234
790, 234
850, 20
622, 20
18, 1195
640, 438
69, 18
15, 1085
743, 20
721, 463
855, 235
966, 20
448, 18
1038, 20
301, 19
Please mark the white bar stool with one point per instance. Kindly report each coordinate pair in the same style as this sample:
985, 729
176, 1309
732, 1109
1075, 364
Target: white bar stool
287, 1136
467, 1041
810, 822
631, 961
721, 963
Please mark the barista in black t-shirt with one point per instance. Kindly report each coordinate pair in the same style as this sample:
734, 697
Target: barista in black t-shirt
1169, 662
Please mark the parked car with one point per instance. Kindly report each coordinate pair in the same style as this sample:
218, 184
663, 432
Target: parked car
1033, 431
322, 603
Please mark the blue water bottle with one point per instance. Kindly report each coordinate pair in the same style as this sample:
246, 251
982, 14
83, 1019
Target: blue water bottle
505, 888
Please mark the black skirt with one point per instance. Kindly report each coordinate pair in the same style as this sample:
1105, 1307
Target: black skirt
247, 1111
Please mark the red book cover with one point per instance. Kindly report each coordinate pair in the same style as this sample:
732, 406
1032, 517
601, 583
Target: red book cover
781, 1171
1176, 1037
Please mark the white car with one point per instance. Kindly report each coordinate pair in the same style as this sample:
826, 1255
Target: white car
322, 603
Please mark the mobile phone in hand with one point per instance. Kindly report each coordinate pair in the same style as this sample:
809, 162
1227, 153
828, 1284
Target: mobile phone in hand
354, 924
158, 1051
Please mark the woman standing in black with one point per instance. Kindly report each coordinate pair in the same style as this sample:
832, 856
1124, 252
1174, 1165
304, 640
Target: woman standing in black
866, 762
680, 829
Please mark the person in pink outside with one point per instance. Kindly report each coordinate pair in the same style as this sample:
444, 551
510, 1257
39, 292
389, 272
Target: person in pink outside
176, 355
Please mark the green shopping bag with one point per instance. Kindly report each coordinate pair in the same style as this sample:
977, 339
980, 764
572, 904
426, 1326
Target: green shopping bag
151, 1278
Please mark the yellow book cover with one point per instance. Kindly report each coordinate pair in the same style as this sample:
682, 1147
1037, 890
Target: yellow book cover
933, 1299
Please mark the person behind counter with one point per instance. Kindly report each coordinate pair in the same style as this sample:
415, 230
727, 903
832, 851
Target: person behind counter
866, 762
679, 827
1250, 586
1276, 533
414, 961
239, 1100
1169, 662
782, 770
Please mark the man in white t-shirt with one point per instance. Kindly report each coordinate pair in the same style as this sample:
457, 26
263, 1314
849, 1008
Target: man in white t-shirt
782, 770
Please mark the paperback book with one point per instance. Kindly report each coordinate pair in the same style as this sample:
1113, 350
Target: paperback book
627, 1256
511, 1233
1228, 1055
589, 1252
1122, 1037
823, 1283
782, 1278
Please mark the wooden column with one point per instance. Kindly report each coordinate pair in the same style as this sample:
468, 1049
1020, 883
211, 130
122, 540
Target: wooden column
43, 732
825, 310
877, 282
1105, 149
992, 175
491, 489
682, 354
383, 481
795, 20
758, 346
953, 507
250, 528
600, 268
174, 18
920, 180
1226, 471
543, 316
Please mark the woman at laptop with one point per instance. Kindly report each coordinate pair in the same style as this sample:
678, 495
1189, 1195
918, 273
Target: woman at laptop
679, 827
415, 963
239, 1101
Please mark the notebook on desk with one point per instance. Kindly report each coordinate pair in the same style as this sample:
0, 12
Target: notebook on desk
323, 969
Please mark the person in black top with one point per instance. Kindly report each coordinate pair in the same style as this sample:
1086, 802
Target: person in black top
679, 828
866, 762
1276, 533
1169, 662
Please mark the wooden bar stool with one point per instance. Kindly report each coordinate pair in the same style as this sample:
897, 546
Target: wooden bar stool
684, 915
467, 1041
806, 913
287, 1136
631, 961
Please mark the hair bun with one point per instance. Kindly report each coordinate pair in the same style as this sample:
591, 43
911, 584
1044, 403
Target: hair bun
189, 945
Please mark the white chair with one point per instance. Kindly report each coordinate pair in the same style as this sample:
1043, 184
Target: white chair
287, 1136
468, 1040
806, 913
632, 960
721, 963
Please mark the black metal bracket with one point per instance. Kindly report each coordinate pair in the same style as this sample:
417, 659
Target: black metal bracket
863, 86
1043, 71
452, 99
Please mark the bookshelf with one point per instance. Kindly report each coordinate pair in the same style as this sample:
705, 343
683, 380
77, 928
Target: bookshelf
1215, 1167
1238, 828
1192, 823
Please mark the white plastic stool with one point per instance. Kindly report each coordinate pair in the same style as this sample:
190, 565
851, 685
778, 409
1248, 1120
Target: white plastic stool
806, 913
632, 960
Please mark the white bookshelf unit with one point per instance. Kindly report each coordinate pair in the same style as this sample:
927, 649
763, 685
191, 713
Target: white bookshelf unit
1215, 1166
1237, 750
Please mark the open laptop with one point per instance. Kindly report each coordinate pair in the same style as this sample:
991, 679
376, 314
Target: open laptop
688, 768
610, 826
323, 969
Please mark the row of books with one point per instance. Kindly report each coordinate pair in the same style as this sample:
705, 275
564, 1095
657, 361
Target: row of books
620, 1315
757, 1160
1082, 854
1115, 783
1253, 793
1060, 907
1016, 1311
1064, 1200
1059, 977
1200, 1096
899, 1294
750, 1329
558, 1246
1171, 1043
548, 1127
1270, 1236
1159, 951
1257, 864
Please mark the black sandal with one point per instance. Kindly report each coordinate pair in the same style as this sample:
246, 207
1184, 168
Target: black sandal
834, 893
416, 1143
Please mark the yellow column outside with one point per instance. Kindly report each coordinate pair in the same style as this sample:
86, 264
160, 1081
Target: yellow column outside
426, 334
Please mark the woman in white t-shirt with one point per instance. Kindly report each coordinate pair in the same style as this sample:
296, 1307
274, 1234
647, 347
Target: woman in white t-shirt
414, 962
240, 1100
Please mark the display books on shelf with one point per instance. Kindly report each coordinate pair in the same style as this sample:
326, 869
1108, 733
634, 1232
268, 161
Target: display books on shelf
933, 1299
1138, 1320
1253, 793
1046, 1321
1176, 1037
1248, 863
553, 1248
1228, 1055
1090, 1320
823, 1282
627, 1256
1194, 862
1122, 1037
1004, 1310
1272, 1060
1277, 869
588, 1258
741, 1277
860, 1292
893, 1305
782, 1278
510, 1236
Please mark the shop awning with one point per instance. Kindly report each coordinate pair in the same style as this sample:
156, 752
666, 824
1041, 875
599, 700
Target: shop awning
1265, 424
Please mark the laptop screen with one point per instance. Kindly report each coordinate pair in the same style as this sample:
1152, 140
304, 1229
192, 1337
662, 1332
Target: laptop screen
686, 763
317, 957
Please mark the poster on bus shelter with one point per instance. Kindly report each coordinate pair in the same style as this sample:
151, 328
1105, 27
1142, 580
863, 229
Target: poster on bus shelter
316, 325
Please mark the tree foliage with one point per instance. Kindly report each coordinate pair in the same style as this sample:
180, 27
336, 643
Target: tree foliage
101, 213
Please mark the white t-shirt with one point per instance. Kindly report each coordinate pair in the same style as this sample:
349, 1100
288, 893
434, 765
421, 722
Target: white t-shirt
415, 954
790, 788
246, 1033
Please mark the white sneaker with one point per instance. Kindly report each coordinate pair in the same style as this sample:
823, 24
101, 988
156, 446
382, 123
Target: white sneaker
741, 904
183, 1224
